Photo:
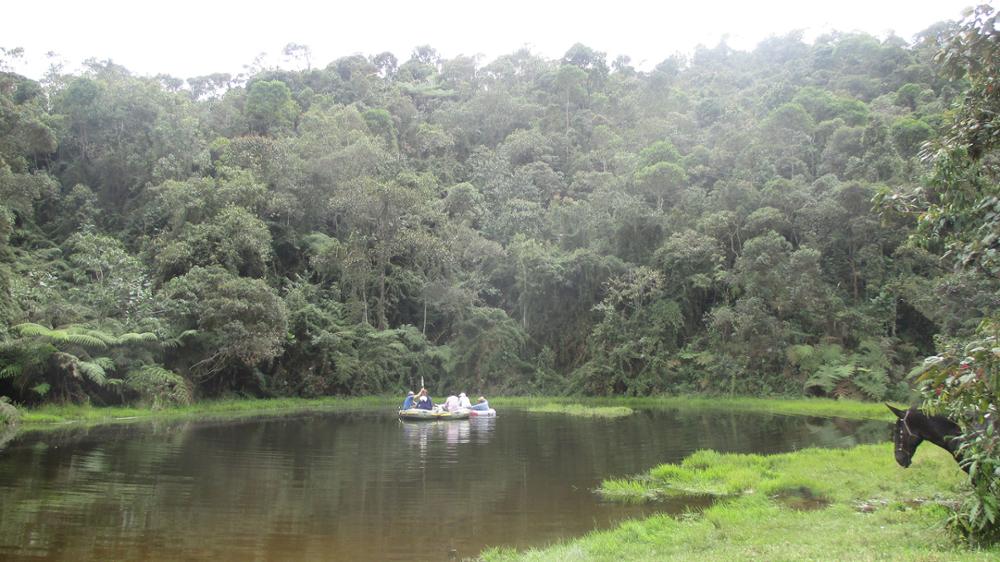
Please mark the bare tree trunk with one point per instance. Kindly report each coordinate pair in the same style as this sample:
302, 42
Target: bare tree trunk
382, 322
364, 303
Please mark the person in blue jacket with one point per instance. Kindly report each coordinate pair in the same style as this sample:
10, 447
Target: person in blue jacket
423, 400
481, 404
408, 403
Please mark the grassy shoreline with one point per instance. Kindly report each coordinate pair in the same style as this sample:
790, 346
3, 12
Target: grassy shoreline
576, 409
45, 416
813, 504
53, 415
816, 407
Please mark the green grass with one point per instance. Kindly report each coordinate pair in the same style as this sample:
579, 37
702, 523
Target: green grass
584, 411
874, 510
61, 414
821, 407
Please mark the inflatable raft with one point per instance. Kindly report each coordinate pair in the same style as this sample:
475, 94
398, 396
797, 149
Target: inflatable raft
483, 413
416, 414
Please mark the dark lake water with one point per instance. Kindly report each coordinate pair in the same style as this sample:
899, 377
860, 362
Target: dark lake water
353, 486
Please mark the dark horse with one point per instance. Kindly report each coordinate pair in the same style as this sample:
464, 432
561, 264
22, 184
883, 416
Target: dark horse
914, 426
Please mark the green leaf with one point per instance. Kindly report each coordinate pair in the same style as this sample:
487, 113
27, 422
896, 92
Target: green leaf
93, 371
29, 329
86, 340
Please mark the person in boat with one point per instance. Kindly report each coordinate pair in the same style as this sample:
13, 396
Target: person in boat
408, 402
481, 404
451, 404
463, 401
423, 400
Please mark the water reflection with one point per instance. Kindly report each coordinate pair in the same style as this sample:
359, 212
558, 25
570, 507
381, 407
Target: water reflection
359, 486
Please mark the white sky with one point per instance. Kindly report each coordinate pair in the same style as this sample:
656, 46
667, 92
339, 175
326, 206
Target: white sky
187, 38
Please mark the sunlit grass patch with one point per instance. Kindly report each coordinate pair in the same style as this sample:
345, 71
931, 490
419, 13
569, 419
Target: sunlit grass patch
582, 410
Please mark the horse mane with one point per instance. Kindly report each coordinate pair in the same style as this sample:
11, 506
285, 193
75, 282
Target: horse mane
937, 429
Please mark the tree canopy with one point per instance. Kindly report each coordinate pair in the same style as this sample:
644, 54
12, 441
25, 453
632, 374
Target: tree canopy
518, 225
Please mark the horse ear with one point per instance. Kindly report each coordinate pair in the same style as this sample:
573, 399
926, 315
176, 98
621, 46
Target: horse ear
899, 413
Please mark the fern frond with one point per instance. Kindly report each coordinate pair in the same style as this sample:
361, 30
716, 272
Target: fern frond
159, 384
800, 354
827, 377
107, 339
12, 370
874, 382
85, 340
29, 329
176, 341
132, 337
93, 371
106, 363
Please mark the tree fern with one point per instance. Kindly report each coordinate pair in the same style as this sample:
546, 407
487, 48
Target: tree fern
177, 341
11, 370
106, 363
86, 341
81, 337
29, 329
159, 385
828, 377
93, 371
133, 338
873, 382
107, 340
800, 354
64, 358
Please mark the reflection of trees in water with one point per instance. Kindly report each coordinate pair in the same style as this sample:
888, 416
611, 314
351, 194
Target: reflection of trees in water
58, 486
6, 435
295, 488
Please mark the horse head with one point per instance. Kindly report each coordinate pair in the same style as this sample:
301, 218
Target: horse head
904, 438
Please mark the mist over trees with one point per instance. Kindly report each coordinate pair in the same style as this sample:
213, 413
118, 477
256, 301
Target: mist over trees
518, 225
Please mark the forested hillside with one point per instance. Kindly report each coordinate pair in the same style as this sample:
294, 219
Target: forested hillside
517, 225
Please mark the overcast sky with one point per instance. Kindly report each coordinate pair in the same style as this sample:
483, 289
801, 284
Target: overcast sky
187, 38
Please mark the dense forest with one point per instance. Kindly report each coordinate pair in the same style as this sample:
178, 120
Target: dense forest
518, 225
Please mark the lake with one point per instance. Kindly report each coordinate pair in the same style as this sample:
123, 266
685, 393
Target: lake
354, 486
